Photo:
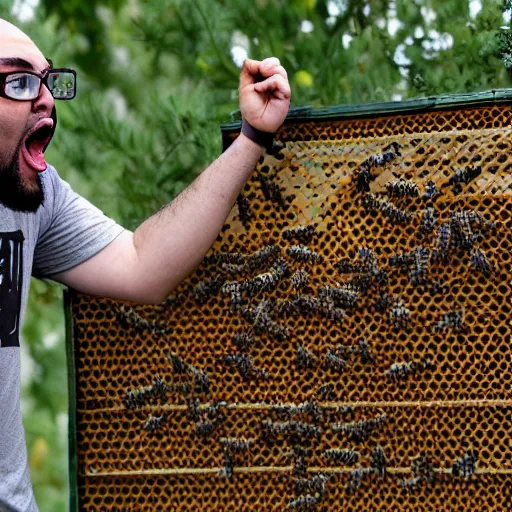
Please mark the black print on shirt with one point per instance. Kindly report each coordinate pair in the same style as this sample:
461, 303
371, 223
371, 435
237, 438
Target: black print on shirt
11, 281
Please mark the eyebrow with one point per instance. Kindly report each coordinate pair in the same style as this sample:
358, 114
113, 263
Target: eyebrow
17, 62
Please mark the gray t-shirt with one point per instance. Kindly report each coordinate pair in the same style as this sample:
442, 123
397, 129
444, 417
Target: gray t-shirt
65, 231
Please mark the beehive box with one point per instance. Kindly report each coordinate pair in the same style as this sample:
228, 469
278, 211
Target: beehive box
345, 345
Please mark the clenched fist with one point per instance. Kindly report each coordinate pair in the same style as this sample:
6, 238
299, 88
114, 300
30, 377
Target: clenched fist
264, 104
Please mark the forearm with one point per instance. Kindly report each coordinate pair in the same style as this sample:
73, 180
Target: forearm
172, 243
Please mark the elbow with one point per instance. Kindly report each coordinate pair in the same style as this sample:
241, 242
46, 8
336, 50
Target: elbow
153, 297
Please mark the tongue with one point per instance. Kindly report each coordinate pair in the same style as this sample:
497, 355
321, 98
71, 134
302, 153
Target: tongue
35, 148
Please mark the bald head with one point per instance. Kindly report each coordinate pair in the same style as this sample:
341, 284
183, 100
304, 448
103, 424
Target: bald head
15, 43
8, 30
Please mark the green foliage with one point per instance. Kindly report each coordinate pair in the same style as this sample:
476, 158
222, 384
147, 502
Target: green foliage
157, 77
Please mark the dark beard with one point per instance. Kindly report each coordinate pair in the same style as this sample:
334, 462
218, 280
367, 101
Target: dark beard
13, 193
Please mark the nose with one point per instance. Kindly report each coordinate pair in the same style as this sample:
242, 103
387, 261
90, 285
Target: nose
44, 103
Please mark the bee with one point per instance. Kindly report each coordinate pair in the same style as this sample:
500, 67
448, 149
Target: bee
464, 176
234, 269
173, 301
335, 362
227, 470
303, 305
314, 485
422, 467
243, 340
403, 260
365, 174
179, 365
463, 236
235, 300
305, 503
394, 214
181, 388
399, 315
347, 266
262, 257
206, 428
153, 423
348, 457
383, 303
382, 278
260, 283
368, 260
310, 409
215, 411
305, 359
452, 319
131, 319
410, 484
466, 465
345, 297
300, 279
295, 430
355, 479
421, 261
159, 388
266, 281
201, 380
360, 430
326, 392
431, 191
303, 254
389, 210
300, 455
365, 352
379, 462
428, 221
364, 177
481, 263
271, 190
260, 318
140, 397
300, 467
303, 234
244, 208
399, 371
245, 366
134, 399
303, 431
193, 411
444, 237
402, 188
330, 311
206, 289
235, 444
230, 258
361, 282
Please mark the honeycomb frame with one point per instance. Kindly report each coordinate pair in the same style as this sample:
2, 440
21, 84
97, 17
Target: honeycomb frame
455, 396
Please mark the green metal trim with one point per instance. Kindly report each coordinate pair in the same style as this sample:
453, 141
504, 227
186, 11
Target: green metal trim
72, 440
412, 106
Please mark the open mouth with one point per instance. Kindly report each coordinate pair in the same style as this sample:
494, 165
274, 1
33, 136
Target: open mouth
36, 142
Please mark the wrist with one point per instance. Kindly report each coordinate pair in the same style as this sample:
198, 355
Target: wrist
263, 139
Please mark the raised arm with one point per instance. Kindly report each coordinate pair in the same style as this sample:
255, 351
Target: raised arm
145, 266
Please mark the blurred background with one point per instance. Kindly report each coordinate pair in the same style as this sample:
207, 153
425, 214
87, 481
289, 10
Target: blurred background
158, 77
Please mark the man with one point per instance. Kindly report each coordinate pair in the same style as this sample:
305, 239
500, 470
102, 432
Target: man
49, 231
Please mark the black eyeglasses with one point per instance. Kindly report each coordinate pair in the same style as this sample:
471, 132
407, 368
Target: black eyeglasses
24, 86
